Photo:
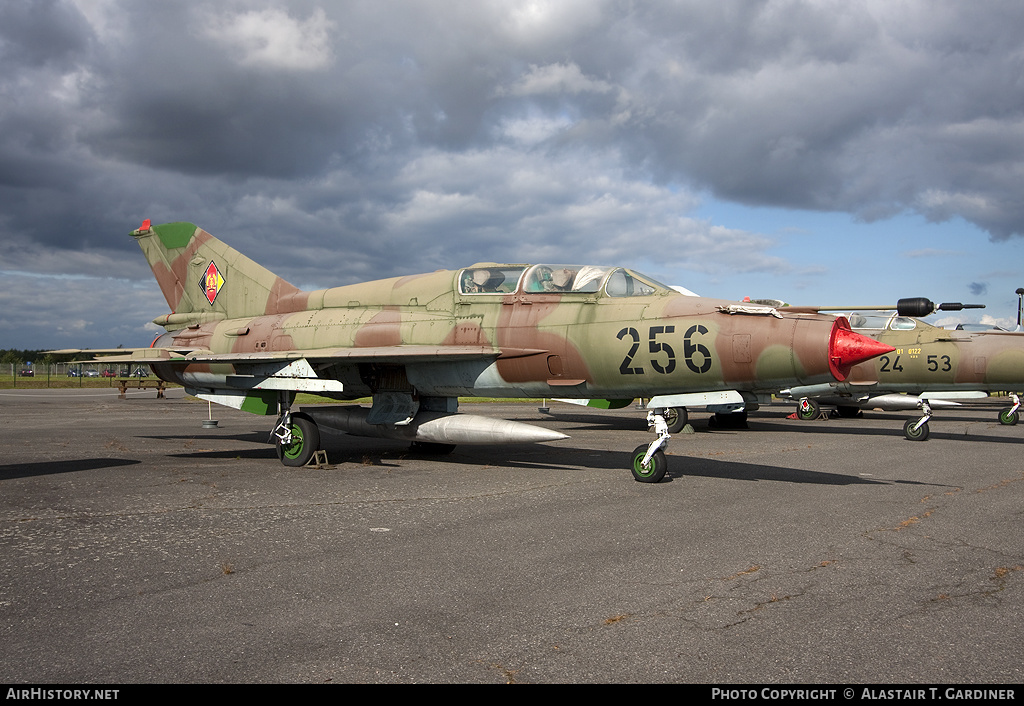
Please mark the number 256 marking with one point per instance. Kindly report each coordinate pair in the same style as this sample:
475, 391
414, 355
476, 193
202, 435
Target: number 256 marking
663, 357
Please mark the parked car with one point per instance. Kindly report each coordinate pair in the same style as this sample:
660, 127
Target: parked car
109, 374
27, 373
74, 373
90, 374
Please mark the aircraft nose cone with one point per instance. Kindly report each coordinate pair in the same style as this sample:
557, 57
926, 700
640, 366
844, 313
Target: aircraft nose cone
846, 348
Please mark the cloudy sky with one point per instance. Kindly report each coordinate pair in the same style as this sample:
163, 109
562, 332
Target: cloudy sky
830, 152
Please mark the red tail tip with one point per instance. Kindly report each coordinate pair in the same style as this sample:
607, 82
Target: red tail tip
846, 348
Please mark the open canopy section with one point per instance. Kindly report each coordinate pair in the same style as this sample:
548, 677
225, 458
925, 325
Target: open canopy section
557, 279
881, 321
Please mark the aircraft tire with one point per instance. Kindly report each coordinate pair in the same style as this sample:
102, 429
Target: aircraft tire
807, 409
654, 471
1008, 417
920, 434
676, 417
305, 442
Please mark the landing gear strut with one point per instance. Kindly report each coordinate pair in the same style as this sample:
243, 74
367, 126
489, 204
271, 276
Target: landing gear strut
649, 463
918, 430
1010, 416
296, 436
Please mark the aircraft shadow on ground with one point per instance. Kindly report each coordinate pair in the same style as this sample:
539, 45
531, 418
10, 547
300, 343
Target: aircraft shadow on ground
250, 454
356, 452
732, 470
851, 427
253, 437
45, 468
344, 449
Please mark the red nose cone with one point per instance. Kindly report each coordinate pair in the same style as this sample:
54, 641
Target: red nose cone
846, 348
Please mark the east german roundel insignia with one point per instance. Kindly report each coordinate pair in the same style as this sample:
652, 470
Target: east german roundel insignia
212, 282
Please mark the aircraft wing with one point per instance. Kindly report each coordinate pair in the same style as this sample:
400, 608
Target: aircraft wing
377, 354
296, 370
126, 355
402, 354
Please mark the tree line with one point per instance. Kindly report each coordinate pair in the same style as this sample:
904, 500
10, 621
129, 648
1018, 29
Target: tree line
16, 357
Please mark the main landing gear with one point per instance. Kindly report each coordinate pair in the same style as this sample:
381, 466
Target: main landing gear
918, 430
676, 418
649, 463
808, 409
297, 438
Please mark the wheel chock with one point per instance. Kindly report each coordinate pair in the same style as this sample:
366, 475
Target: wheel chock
319, 459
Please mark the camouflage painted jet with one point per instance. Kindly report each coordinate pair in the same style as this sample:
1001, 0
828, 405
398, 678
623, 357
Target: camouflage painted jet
241, 336
931, 365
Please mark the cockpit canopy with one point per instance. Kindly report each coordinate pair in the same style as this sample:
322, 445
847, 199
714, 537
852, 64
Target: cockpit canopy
557, 279
881, 321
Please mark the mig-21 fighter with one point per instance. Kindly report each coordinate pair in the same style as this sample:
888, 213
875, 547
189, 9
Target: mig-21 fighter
241, 336
928, 368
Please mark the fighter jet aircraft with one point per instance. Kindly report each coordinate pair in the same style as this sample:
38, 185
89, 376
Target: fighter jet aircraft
928, 368
240, 336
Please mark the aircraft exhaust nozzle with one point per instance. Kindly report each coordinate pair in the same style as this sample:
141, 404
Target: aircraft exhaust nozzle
846, 348
435, 427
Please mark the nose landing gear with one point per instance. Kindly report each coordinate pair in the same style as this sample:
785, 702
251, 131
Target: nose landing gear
918, 430
649, 462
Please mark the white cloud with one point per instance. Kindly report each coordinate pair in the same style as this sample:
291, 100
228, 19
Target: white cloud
1007, 323
544, 21
534, 129
939, 204
272, 38
931, 252
555, 79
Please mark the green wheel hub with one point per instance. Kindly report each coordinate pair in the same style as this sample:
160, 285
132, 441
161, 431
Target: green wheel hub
305, 441
655, 469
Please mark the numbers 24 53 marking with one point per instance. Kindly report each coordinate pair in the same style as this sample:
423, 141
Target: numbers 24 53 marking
663, 357
936, 363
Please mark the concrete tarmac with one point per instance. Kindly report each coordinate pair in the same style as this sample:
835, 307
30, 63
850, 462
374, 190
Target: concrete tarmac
138, 547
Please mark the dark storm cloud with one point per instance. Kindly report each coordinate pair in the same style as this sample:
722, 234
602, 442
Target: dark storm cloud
978, 288
34, 33
833, 106
349, 140
866, 108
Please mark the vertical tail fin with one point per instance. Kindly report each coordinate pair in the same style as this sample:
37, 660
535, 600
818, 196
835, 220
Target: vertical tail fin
203, 278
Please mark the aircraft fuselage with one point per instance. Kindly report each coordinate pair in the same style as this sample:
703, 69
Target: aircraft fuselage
532, 344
